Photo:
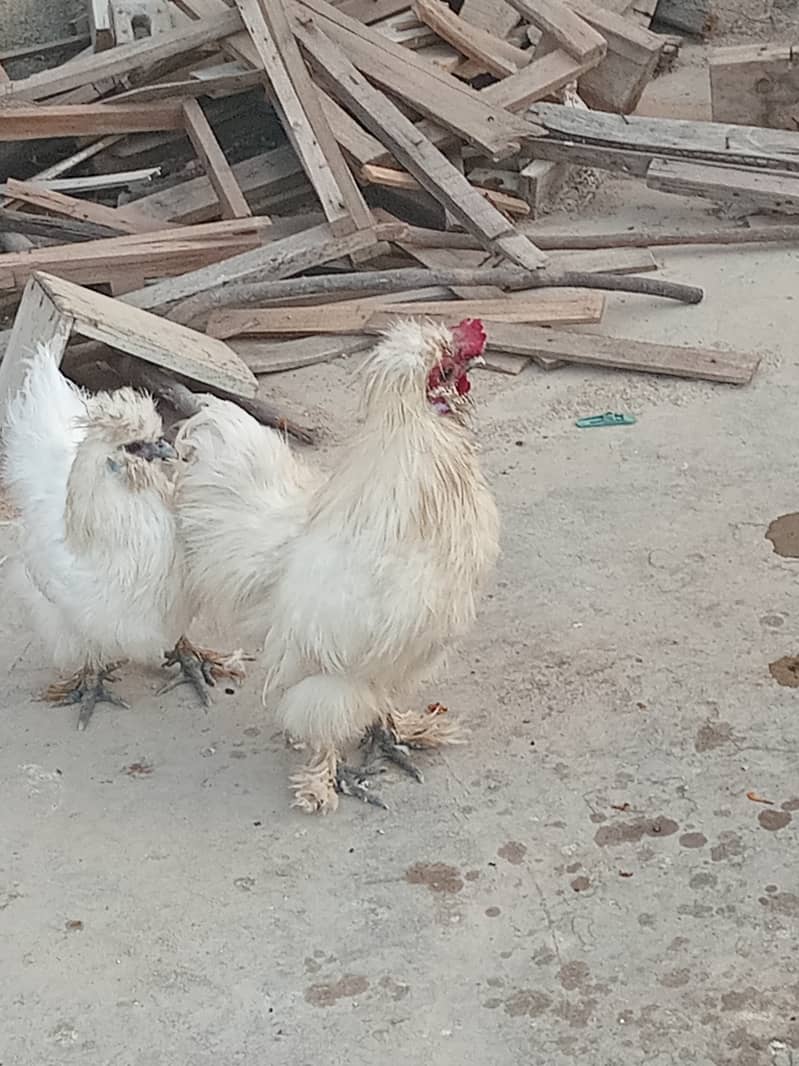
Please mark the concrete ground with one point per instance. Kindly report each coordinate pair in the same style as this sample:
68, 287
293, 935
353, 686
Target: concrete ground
587, 881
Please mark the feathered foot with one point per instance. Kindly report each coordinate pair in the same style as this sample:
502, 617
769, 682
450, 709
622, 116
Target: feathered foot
318, 785
86, 687
202, 668
404, 731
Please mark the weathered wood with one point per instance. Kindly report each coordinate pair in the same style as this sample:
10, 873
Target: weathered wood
28, 123
57, 203
151, 17
125, 60
222, 85
542, 77
441, 97
92, 182
57, 229
758, 190
588, 349
698, 141
280, 259
369, 11
38, 322
696, 17
755, 84
572, 33
60, 44
231, 198
149, 337
400, 179
496, 16
546, 307
492, 53
100, 25
303, 118
427, 164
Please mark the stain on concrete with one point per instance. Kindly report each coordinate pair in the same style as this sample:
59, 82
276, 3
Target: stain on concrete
786, 903
729, 846
783, 533
632, 832
513, 852
327, 995
492, 912
785, 671
774, 820
573, 867
573, 974
576, 1014
396, 989
472, 875
772, 621
436, 876
580, 884
527, 1003
675, 978
713, 735
693, 840
703, 880
791, 804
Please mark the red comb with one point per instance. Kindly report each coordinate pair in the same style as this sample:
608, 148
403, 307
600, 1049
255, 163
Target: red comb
470, 338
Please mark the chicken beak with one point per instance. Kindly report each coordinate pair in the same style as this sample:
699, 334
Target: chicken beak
159, 449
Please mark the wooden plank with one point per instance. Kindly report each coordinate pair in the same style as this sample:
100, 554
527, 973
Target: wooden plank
38, 322
542, 77
303, 118
154, 339
761, 190
135, 18
28, 123
546, 306
369, 11
494, 55
216, 87
755, 84
697, 17
433, 93
657, 137
281, 259
427, 164
588, 349
60, 44
572, 33
410, 33
400, 179
125, 60
56, 229
92, 182
633, 53
496, 16
100, 25
36, 195
230, 196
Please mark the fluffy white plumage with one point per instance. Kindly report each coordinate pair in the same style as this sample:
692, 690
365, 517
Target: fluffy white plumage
101, 565
359, 581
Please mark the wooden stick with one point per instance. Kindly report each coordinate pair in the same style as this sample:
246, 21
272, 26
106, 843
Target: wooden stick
230, 196
57, 229
29, 123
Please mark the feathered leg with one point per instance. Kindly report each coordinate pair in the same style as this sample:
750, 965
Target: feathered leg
201, 668
403, 731
87, 687
318, 785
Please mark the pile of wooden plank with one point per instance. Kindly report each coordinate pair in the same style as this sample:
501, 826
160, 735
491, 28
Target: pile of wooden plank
332, 164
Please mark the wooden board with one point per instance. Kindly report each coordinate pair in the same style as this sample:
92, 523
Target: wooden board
736, 368
57, 203
496, 16
302, 116
429, 166
542, 77
100, 25
400, 179
150, 17
492, 53
280, 259
127, 59
430, 91
231, 198
755, 84
545, 306
28, 123
698, 141
761, 190
570, 32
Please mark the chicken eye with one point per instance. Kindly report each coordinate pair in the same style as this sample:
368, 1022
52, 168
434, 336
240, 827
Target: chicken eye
446, 373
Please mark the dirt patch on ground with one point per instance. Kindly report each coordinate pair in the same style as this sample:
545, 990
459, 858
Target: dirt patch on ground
784, 535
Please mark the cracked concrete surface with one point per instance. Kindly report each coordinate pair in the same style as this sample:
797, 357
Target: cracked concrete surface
586, 882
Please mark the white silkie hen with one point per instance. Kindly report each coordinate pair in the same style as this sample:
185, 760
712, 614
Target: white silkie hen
102, 567
360, 581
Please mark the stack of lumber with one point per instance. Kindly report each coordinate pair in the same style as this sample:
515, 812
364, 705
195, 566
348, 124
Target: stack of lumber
280, 178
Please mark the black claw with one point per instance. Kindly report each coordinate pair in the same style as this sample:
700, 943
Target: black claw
383, 742
89, 695
351, 781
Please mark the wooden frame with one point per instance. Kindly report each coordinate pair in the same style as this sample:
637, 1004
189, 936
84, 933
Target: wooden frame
52, 309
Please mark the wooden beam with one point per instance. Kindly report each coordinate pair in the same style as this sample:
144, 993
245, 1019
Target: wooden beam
572, 33
494, 55
588, 349
125, 60
100, 25
303, 119
400, 179
757, 190
562, 306
542, 77
154, 339
28, 123
430, 91
281, 259
427, 164
56, 203
230, 196
496, 16
152, 16
755, 84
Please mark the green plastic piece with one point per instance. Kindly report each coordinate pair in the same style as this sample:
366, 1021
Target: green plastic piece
607, 419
